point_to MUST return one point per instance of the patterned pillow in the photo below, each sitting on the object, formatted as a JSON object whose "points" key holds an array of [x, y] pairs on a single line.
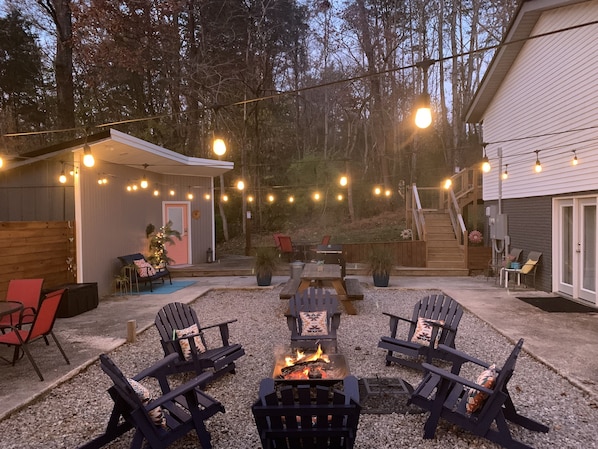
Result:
{"points": [[185, 345], [313, 323], [144, 268], [476, 398], [156, 414], [423, 332]]}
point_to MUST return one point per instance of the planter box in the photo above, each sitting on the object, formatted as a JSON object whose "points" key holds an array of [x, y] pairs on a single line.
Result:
{"points": [[77, 299]]}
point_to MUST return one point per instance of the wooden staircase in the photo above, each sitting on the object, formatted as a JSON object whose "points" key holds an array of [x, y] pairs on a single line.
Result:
{"points": [[443, 250]]}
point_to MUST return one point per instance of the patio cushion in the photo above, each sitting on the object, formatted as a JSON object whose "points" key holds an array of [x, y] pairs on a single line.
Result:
{"points": [[144, 268], [313, 323], [156, 414], [423, 332], [185, 345], [476, 398], [529, 266]]}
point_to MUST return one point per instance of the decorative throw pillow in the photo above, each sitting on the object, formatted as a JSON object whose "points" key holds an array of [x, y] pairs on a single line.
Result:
{"points": [[313, 323], [144, 268], [529, 265], [423, 332], [476, 398], [156, 414], [185, 345]]}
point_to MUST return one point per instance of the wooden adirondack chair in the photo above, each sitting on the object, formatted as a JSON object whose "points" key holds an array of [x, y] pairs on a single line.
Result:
{"points": [[307, 416], [311, 301], [446, 395], [440, 314], [185, 408], [194, 354], [41, 327]]}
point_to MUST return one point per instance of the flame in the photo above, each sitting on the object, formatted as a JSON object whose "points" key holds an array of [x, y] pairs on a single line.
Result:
{"points": [[301, 357]]}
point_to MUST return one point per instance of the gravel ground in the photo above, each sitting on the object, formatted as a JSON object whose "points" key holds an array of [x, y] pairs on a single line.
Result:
{"points": [[78, 410]]}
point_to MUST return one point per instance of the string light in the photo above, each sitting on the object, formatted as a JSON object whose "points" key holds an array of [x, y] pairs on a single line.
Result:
{"points": [[271, 198], [538, 166], [574, 161], [62, 177], [448, 183], [505, 174], [88, 159], [485, 161], [291, 199], [343, 181], [377, 191], [339, 197], [317, 196]]}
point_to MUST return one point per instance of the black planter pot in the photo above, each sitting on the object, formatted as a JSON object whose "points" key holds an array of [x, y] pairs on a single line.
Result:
{"points": [[381, 279], [264, 280]]}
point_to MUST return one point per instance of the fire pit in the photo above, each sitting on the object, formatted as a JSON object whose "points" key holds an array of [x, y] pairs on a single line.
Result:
{"points": [[311, 366]]}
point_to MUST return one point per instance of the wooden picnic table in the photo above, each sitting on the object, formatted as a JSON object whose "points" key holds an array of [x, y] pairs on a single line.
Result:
{"points": [[326, 274]]}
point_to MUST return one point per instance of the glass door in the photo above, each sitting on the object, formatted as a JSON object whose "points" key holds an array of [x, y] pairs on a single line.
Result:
{"points": [[565, 247], [587, 247]]}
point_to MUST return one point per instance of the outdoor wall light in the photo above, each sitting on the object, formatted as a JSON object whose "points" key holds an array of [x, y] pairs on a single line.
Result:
{"points": [[88, 159]]}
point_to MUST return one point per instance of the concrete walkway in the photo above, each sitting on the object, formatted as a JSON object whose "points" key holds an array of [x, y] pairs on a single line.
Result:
{"points": [[567, 342]]}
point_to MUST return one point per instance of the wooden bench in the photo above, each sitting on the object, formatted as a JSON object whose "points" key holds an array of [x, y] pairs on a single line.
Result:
{"points": [[353, 288], [290, 288]]}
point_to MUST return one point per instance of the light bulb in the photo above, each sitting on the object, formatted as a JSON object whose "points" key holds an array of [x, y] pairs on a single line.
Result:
{"points": [[219, 147], [144, 183], [88, 159], [423, 117]]}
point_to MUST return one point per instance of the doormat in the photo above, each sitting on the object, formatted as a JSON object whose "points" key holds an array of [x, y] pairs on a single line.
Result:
{"points": [[385, 395], [164, 289], [556, 304]]}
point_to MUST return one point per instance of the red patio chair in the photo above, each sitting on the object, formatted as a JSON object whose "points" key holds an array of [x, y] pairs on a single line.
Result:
{"points": [[287, 248], [42, 325], [28, 292]]}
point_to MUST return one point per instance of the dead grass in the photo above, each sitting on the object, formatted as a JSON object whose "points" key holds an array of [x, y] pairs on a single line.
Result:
{"points": [[384, 227]]}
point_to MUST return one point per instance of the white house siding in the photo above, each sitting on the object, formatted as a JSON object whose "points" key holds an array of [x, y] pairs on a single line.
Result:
{"points": [[548, 102]]}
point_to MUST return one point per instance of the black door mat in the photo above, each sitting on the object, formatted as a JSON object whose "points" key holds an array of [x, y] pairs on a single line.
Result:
{"points": [[556, 304], [385, 395]]}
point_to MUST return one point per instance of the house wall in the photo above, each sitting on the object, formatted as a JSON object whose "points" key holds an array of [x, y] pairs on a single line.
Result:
{"points": [[530, 228], [32, 193], [114, 220], [547, 102]]}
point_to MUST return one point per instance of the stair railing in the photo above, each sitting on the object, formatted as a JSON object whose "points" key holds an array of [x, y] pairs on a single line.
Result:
{"points": [[459, 228], [418, 214]]}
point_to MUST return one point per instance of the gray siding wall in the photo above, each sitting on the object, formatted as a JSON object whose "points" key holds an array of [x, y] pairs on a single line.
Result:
{"points": [[114, 220], [33, 193], [530, 228]]}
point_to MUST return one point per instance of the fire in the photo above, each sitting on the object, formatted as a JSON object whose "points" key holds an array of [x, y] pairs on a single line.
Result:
{"points": [[301, 357]]}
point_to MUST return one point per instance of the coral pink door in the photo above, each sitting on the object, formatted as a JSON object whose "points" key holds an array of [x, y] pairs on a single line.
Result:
{"points": [[178, 213]]}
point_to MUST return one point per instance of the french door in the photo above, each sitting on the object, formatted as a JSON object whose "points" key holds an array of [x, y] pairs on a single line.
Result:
{"points": [[576, 247]]}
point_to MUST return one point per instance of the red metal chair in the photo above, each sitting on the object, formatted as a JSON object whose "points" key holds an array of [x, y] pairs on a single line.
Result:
{"points": [[41, 326], [28, 292], [287, 248], [325, 240]]}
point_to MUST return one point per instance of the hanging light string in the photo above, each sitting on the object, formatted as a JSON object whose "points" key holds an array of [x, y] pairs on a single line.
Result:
{"points": [[322, 85]]}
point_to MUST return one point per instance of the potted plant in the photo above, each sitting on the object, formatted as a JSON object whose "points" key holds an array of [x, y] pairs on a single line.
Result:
{"points": [[380, 263], [266, 260]]}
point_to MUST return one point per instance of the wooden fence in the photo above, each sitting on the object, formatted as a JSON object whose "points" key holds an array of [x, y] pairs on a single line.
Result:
{"points": [[406, 253], [38, 249]]}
